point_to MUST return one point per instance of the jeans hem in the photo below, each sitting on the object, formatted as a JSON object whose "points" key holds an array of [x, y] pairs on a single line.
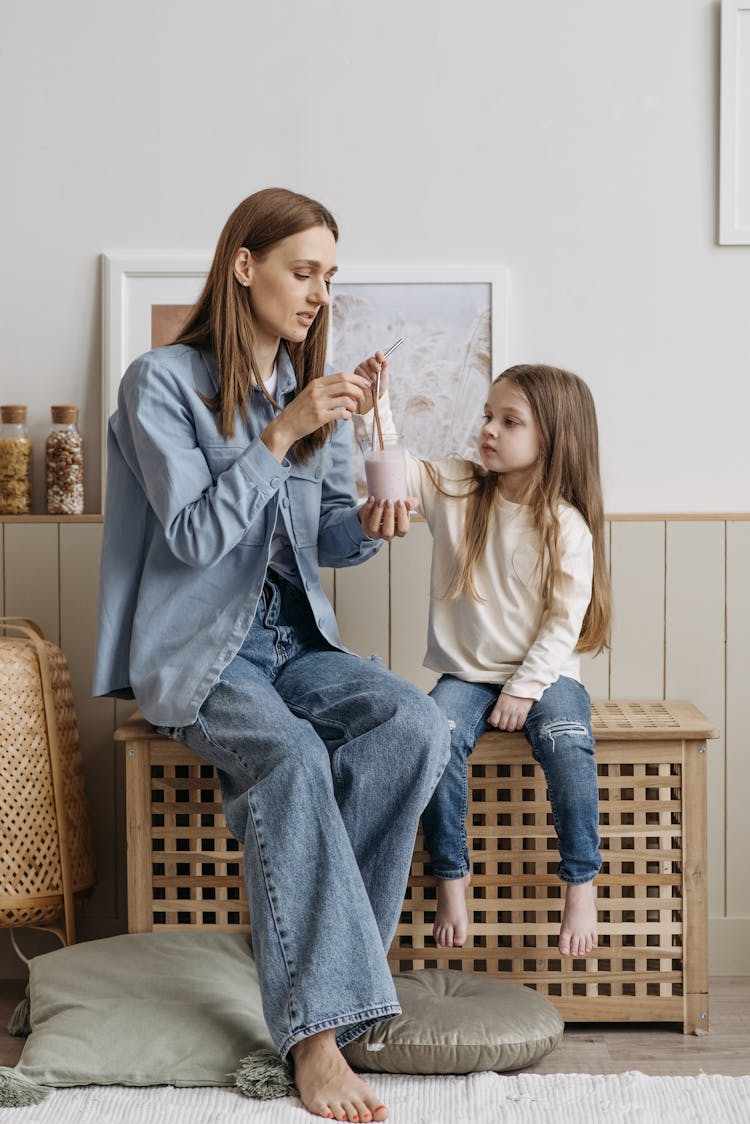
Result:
{"points": [[361, 1020], [451, 874], [581, 881]]}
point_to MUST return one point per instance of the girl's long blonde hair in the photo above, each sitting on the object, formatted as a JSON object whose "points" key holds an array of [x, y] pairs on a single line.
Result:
{"points": [[222, 317], [567, 472]]}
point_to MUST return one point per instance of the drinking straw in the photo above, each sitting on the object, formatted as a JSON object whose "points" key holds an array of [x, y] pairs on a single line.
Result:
{"points": [[376, 396]]}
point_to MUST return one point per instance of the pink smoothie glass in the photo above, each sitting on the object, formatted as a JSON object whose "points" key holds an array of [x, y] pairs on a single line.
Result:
{"points": [[385, 469]]}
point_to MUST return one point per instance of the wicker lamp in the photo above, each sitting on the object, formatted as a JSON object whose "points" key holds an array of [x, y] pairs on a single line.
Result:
{"points": [[46, 850]]}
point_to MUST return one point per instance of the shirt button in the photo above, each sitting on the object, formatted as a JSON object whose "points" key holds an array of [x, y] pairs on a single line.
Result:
{"points": [[274, 481], [307, 584], [317, 473], [285, 502], [320, 622]]}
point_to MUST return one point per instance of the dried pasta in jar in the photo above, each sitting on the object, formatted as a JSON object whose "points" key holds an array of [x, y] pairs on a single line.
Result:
{"points": [[15, 462]]}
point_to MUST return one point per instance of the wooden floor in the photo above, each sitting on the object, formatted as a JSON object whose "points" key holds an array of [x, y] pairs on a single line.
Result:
{"points": [[593, 1048]]}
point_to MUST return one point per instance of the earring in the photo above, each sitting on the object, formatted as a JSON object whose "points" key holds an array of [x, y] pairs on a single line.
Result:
{"points": [[246, 283]]}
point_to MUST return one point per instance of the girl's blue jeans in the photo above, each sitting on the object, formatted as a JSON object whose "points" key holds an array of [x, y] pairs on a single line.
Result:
{"points": [[558, 729], [325, 761]]}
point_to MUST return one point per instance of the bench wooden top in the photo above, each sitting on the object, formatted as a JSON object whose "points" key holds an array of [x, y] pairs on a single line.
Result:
{"points": [[612, 720]]}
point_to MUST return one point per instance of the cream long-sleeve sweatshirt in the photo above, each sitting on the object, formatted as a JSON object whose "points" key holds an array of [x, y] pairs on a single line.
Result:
{"points": [[504, 637]]}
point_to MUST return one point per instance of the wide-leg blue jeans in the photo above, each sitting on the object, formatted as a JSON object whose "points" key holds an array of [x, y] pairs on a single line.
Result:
{"points": [[558, 728], [325, 761]]}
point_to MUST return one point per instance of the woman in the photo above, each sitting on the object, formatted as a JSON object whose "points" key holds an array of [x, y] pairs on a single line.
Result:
{"points": [[229, 483]]}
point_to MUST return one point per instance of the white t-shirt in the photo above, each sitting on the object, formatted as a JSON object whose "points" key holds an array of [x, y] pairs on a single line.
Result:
{"points": [[272, 381]]}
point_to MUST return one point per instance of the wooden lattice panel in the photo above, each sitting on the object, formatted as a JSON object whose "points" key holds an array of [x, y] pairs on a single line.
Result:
{"points": [[516, 900], [651, 964], [196, 865]]}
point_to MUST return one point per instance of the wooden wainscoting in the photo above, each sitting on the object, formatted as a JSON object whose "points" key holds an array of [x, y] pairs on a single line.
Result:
{"points": [[682, 630]]}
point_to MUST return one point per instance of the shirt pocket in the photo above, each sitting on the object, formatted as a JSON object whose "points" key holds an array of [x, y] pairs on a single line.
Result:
{"points": [[304, 488], [525, 565], [221, 457]]}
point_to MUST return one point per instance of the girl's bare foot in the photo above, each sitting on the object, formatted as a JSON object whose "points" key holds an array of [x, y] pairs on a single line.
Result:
{"points": [[451, 917], [578, 933], [328, 1087]]}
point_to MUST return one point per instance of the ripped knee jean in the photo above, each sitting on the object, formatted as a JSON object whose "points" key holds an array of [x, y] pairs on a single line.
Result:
{"points": [[558, 729]]}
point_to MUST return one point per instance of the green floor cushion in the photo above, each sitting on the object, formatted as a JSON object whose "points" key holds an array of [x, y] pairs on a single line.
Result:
{"points": [[185, 1009], [459, 1022], [144, 1009]]}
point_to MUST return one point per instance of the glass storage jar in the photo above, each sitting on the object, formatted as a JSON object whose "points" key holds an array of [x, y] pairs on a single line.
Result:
{"points": [[64, 463], [15, 462]]}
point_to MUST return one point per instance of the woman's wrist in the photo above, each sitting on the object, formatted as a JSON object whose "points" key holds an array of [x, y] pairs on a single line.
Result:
{"points": [[278, 438]]}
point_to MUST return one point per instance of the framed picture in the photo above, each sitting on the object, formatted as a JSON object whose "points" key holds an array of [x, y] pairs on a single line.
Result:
{"points": [[453, 320], [734, 163], [145, 299], [454, 325]]}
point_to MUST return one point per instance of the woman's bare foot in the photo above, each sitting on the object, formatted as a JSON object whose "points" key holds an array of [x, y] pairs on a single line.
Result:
{"points": [[451, 917], [328, 1087], [578, 933]]}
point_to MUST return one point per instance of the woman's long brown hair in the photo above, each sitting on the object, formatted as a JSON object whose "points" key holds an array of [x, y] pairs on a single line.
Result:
{"points": [[567, 472], [222, 317]]}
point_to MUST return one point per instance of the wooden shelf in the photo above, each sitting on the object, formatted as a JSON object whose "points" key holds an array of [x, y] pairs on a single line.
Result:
{"points": [[51, 518]]}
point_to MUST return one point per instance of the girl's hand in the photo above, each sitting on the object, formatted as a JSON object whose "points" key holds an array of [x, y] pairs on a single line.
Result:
{"points": [[509, 712], [382, 519], [368, 369], [329, 398]]}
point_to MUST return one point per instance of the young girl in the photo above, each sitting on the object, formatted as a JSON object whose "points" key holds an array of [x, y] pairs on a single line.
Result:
{"points": [[519, 586]]}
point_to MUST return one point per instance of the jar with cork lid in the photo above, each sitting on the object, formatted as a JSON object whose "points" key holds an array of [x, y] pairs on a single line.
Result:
{"points": [[64, 463], [15, 462]]}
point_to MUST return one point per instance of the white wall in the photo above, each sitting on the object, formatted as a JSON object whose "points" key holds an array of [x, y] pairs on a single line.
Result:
{"points": [[574, 141]]}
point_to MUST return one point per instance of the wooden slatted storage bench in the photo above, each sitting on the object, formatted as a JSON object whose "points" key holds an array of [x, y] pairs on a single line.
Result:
{"points": [[184, 869]]}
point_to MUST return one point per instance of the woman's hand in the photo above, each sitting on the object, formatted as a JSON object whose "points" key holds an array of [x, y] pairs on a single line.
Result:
{"points": [[382, 519], [510, 712], [368, 369], [327, 399]]}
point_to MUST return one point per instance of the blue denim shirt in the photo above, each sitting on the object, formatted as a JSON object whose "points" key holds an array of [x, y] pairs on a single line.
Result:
{"points": [[188, 523]]}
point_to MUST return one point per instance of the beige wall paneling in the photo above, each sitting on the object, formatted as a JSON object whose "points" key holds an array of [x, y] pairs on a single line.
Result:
{"points": [[2, 569], [31, 575], [695, 605], [737, 728], [410, 601], [35, 572], [637, 667], [80, 548], [595, 670], [124, 708], [362, 594]]}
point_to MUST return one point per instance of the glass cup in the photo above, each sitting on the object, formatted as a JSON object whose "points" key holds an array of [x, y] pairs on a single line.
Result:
{"points": [[385, 469]]}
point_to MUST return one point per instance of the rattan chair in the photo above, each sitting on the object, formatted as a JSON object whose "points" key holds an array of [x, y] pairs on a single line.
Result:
{"points": [[47, 856]]}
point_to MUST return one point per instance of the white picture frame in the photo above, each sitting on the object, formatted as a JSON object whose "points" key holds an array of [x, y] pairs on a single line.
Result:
{"points": [[134, 284], [734, 143]]}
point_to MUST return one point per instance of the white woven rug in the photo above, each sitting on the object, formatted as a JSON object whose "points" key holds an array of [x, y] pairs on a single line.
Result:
{"points": [[485, 1098]]}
